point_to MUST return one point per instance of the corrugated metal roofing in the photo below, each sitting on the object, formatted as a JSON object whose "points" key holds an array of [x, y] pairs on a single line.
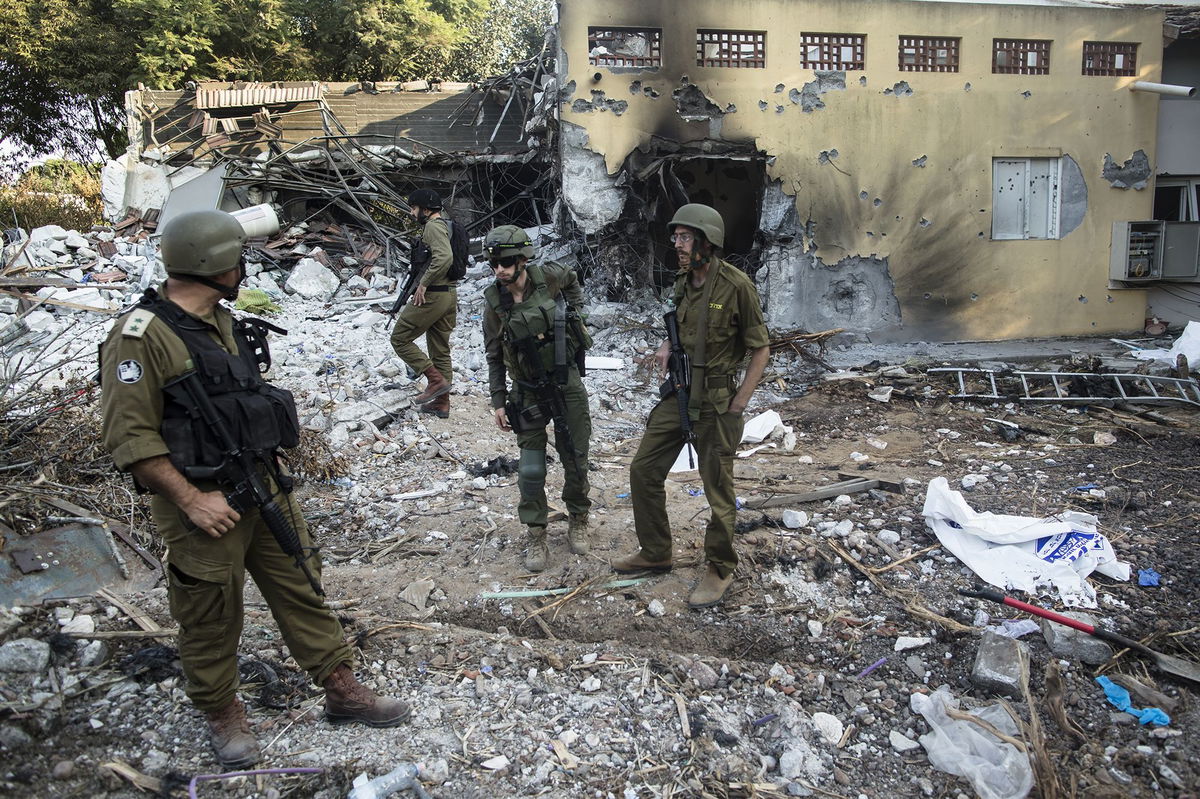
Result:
{"points": [[402, 117], [255, 94]]}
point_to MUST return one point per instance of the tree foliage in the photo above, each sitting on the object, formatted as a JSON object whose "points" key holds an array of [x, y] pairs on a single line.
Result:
{"points": [[65, 65]]}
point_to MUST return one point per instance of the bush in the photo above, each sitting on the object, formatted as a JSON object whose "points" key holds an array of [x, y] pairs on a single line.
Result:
{"points": [[59, 192]]}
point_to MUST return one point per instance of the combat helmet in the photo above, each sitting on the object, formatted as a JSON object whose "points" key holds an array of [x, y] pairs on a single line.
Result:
{"points": [[202, 243], [506, 241], [702, 218], [426, 198]]}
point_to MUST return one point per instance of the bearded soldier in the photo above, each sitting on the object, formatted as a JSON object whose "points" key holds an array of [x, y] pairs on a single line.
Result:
{"points": [[184, 403], [534, 334], [720, 322]]}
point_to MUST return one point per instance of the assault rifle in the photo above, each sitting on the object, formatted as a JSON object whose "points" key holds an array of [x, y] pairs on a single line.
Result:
{"points": [[240, 473], [419, 258], [548, 393], [679, 380]]}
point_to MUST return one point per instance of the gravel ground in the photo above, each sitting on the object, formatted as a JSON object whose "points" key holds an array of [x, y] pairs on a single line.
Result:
{"points": [[620, 690]]}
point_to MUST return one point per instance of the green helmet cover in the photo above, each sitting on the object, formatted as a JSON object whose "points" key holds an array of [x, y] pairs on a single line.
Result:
{"points": [[702, 218], [506, 241], [203, 243]]}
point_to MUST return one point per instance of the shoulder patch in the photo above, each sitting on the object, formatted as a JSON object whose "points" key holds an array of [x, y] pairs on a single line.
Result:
{"points": [[137, 322]]}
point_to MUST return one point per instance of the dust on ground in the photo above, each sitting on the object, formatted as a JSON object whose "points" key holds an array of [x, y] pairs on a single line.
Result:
{"points": [[624, 691]]}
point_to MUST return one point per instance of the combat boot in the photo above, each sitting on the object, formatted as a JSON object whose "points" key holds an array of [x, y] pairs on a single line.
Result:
{"points": [[347, 700], [577, 534], [436, 386], [538, 552], [638, 562], [438, 406], [711, 589], [229, 732]]}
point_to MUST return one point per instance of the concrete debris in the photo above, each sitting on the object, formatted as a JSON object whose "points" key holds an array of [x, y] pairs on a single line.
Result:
{"points": [[1076, 645], [312, 281], [999, 664], [24, 655]]}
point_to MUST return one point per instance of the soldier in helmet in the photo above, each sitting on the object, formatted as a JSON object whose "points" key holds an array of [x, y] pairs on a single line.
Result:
{"points": [[152, 430], [433, 309], [720, 322], [534, 334]]}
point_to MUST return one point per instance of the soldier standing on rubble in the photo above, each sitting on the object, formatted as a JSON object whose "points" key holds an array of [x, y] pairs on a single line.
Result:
{"points": [[433, 309], [172, 338], [720, 320], [532, 331]]}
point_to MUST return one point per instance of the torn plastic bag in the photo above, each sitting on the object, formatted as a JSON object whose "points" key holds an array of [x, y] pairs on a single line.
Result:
{"points": [[1187, 344], [1020, 552], [996, 769]]}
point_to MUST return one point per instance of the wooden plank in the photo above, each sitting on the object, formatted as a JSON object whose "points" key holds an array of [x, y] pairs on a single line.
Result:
{"points": [[139, 616], [828, 492]]}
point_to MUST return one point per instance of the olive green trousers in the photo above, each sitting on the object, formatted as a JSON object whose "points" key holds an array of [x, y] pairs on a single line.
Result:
{"points": [[205, 580], [435, 320], [531, 478], [717, 437]]}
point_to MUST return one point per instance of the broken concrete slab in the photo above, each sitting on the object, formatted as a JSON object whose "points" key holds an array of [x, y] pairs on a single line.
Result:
{"points": [[379, 411], [1075, 645], [999, 664], [312, 281], [591, 194]]}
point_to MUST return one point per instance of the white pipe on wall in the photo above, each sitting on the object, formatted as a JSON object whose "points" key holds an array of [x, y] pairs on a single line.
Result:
{"points": [[1162, 88]]}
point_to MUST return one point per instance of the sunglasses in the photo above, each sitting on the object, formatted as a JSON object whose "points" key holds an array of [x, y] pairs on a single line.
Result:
{"points": [[507, 261]]}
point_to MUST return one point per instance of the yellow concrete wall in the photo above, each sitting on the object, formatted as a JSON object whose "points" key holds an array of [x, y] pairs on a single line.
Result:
{"points": [[948, 275]]}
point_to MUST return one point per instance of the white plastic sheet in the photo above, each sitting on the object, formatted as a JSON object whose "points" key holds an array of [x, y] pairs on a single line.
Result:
{"points": [[1187, 344], [997, 770], [759, 428], [1020, 552]]}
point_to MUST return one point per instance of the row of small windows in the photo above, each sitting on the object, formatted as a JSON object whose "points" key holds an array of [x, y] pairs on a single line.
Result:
{"points": [[642, 47]]}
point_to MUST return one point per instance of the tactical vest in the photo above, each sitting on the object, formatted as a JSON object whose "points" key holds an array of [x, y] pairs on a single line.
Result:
{"points": [[259, 416], [542, 335]]}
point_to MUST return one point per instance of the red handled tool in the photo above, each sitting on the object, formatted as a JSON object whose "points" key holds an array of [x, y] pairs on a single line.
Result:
{"points": [[1172, 665]]}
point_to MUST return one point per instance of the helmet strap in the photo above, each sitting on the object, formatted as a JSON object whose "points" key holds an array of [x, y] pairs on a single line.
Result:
{"points": [[227, 292]]}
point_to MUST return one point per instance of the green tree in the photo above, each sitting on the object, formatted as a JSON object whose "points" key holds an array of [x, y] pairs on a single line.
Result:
{"points": [[65, 65], [384, 39], [511, 31]]}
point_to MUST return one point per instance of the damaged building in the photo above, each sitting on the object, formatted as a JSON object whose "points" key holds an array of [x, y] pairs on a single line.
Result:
{"points": [[338, 159], [925, 171], [911, 170]]}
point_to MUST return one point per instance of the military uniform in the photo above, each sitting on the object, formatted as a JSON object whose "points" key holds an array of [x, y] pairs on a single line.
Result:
{"points": [[504, 325], [734, 327], [437, 317], [206, 575]]}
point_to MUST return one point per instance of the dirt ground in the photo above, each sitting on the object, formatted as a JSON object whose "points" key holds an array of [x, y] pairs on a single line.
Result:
{"points": [[809, 612]]}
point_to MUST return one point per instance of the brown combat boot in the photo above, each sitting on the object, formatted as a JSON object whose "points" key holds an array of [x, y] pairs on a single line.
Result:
{"points": [[229, 732], [711, 589], [577, 534], [347, 700], [538, 551], [436, 387], [438, 406], [638, 562]]}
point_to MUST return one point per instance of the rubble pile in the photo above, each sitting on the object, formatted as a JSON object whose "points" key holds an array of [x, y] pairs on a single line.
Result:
{"points": [[844, 662]]}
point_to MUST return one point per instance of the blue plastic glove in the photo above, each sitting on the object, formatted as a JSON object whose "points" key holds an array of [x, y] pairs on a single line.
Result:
{"points": [[1118, 697]]}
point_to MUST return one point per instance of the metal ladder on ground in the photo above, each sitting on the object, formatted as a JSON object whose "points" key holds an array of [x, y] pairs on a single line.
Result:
{"points": [[1035, 386]]}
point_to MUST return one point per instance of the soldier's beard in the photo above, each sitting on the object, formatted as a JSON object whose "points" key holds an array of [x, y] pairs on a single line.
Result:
{"points": [[691, 260]]}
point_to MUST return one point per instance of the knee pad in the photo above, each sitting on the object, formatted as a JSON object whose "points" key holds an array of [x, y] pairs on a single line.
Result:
{"points": [[531, 471]]}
